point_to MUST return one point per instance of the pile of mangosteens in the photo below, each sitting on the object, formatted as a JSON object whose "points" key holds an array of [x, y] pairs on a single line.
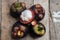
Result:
{"points": [[28, 20]]}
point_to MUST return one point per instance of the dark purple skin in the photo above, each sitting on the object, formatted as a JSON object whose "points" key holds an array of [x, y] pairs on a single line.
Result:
{"points": [[33, 34], [17, 24], [41, 11], [16, 13]]}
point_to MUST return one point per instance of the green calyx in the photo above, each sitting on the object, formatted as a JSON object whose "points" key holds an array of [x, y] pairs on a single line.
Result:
{"points": [[17, 4]]}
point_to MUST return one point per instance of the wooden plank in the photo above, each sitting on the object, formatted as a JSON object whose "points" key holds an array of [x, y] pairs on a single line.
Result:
{"points": [[28, 4], [7, 20], [45, 21], [55, 30], [0, 10], [0, 16]]}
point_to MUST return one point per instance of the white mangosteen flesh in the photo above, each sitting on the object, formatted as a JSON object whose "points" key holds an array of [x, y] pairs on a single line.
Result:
{"points": [[26, 15]]}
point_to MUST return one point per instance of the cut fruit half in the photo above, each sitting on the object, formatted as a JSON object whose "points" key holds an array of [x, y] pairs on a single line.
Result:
{"points": [[26, 16]]}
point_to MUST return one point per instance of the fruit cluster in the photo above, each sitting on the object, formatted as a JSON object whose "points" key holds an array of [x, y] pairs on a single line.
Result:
{"points": [[28, 20]]}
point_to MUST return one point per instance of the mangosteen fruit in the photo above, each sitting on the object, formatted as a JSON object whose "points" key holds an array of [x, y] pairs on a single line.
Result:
{"points": [[19, 30], [39, 11], [16, 9], [26, 16], [37, 30]]}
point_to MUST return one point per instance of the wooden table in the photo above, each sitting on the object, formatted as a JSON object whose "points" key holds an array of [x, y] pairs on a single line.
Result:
{"points": [[8, 21]]}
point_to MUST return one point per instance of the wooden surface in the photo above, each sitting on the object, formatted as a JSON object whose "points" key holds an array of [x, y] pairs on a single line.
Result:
{"points": [[8, 21], [0, 18], [55, 28], [0, 10]]}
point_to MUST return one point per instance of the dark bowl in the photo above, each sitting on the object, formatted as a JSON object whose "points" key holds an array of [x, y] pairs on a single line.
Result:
{"points": [[18, 25], [39, 12], [16, 9], [33, 34]]}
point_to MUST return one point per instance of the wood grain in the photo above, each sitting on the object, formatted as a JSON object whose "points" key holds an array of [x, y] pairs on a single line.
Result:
{"points": [[55, 28]]}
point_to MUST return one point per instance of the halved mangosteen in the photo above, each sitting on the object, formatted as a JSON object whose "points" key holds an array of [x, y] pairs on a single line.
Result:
{"points": [[16, 9], [39, 11], [26, 16], [37, 30], [19, 30]]}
